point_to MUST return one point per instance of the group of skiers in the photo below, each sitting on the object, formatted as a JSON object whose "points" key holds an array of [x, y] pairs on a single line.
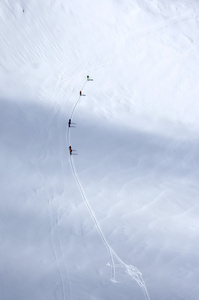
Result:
{"points": [[69, 121], [70, 148]]}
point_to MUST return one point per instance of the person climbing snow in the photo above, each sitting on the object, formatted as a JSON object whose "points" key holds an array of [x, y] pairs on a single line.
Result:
{"points": [[80, 93], [69, 122], [70, 150]]}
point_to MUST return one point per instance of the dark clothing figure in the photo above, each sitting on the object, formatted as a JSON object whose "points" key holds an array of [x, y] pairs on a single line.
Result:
{"points": [[87, 78], [69, 122], [80, 93], [70, 150]]}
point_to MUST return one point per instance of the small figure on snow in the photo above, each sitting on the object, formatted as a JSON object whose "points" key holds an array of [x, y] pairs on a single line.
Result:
{"points": [[70, 150], [69, 122], [87, 78], [80, 93]]}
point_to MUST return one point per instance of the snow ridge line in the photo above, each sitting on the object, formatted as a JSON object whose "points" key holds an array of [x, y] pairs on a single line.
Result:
{"points": [[130, 270]]}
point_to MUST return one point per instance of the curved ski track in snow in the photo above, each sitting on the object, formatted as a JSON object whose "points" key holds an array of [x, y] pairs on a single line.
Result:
{"points": [[130, 270]]}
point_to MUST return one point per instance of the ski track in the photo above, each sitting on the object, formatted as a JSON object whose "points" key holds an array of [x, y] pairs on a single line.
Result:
{"points": [[160, 27], [132, 271], [57, 91], [57, 250]]}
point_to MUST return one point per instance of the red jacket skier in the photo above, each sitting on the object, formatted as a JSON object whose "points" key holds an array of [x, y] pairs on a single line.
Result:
{"points": [[70, 150]]}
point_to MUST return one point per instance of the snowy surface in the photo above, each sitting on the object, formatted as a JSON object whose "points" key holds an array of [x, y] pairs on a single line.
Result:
{"points": [[126, 202]]}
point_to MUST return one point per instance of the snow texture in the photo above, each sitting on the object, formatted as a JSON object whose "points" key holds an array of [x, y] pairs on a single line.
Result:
{"points": [[117, 219]]}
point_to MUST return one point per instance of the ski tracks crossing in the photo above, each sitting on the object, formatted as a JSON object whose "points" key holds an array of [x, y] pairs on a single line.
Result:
{"points": [[132, 271]]}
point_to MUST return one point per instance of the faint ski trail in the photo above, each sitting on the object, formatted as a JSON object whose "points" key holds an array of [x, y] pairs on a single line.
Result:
{"points": [[54, 242], [64, 288], [132, 271]]}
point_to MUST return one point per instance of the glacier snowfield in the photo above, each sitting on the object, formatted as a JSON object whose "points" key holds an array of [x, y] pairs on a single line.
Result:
{"points": [[117, 219]]}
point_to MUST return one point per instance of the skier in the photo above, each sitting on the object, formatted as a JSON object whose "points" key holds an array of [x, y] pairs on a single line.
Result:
{"points": [[87, 78], [69, 122], [80, 93], [70, 150]]}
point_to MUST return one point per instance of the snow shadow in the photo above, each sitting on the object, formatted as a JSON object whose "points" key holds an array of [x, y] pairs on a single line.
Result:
{"points": [[35, 178], [34, 154], [123, 149]]}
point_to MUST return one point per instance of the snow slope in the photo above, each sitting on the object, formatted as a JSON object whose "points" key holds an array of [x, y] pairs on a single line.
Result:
{"points": [[126, 202]]}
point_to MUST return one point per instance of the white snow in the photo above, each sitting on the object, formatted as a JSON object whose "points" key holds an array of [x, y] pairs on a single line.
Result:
{"points": [[119, 218]]}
